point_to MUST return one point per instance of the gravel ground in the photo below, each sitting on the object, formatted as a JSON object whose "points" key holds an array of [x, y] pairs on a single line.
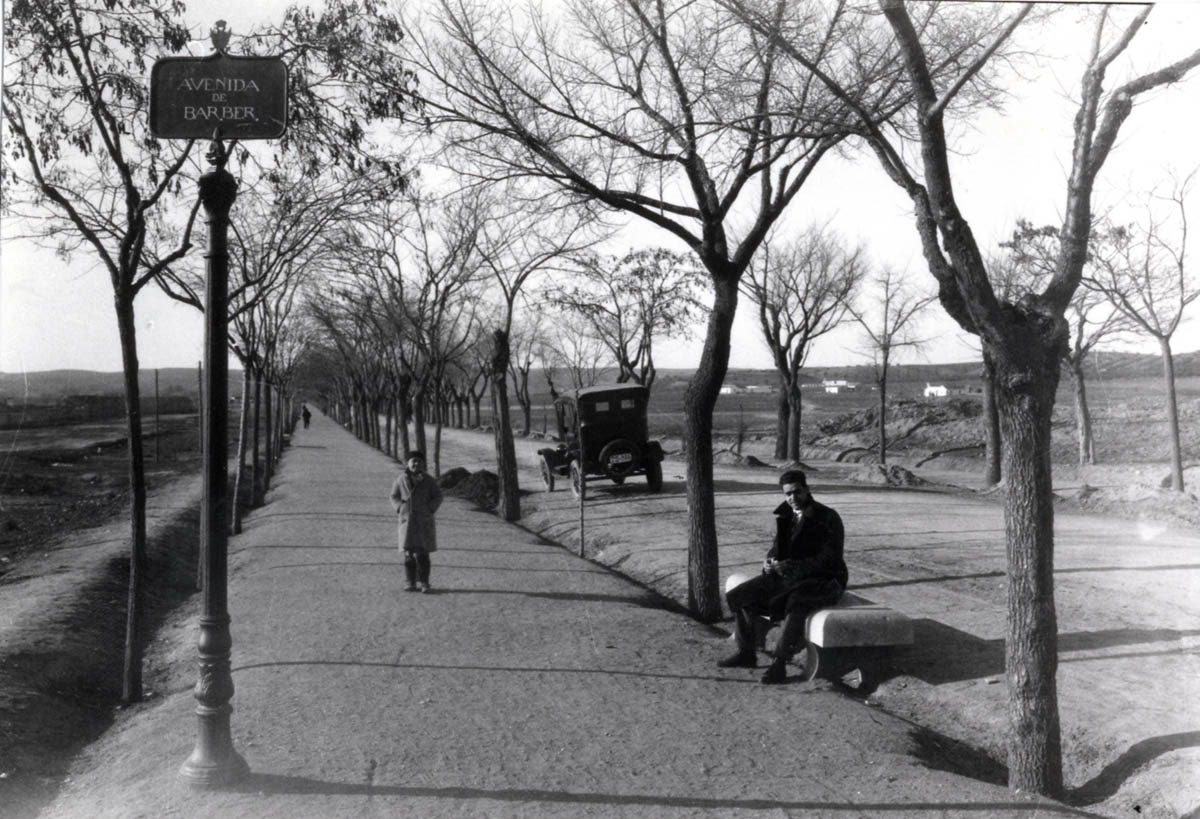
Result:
{"points": [[1128, 596]]}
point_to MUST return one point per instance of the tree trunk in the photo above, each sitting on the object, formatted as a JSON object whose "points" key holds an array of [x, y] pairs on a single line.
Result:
{"points": [[704, 598], [131, 685], [281, 415], [1172, 414], [388, 430], [882, 383], [509, 505], [991, 428], [239, 484], [437, 450], [1026, 384], [783, 413], [794, 412], [269, 453], [402, 412], [1083, 415], [258, 481], [419, 410]]}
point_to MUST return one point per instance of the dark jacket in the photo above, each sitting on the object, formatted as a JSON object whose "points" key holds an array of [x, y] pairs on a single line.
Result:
{"points": [[812, 551]]}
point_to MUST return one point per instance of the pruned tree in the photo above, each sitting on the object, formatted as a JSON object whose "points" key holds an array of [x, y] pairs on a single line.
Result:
{"points": [[82, 161], [1142, 271], [81, 165], [674, 113], [803, 288], [888, 322], [1022, 340], [1031, 257], [525, 341], [626, 303], [580, 355], [417, 264], [523, 235]]}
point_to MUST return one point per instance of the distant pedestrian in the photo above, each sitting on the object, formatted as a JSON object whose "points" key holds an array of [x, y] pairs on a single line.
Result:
{"points": [[305, 414], [416, 498], [805, 570]]}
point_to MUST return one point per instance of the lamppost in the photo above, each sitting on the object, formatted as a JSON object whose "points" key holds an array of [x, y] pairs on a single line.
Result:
{"points": [[214, 761], [193, 98]]}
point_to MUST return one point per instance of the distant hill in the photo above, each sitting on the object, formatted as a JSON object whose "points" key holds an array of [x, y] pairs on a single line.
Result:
{"points": [[55, 385], [1106, 365]]}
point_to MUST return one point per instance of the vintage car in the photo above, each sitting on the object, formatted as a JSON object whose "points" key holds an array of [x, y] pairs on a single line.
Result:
{"points": [[602, 432]]}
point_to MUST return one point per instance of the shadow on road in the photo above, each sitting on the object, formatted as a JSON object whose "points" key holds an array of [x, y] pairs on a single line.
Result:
{"points": [[1108, 782], [276, 784], [941, 654]]}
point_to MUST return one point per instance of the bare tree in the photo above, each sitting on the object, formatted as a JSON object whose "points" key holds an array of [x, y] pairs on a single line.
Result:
{"points": [[803, 288], [416, 263], [523, 235], [525, 341], [579, 354], [673, 112], [1032, 254], [76, 109], [80, 157], [1022, 340], [1143, 273], [630, 301], [888, 324], [282, 224]]}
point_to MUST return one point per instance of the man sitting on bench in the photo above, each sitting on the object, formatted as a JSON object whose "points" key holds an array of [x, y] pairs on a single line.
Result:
{"points": [[804, 571]]}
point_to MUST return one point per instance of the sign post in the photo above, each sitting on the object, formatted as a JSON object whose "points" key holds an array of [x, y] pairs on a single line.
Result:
{"points": [[196, 98]]}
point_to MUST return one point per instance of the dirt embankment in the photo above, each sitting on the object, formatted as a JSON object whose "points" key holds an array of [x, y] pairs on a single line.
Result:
{"points": [[62, 611]]}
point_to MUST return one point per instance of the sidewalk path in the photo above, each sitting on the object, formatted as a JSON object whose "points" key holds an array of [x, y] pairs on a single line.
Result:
{"points": [[531, 683]]}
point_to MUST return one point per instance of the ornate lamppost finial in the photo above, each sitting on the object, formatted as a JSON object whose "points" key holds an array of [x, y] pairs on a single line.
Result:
{"points": [[220, 34]]}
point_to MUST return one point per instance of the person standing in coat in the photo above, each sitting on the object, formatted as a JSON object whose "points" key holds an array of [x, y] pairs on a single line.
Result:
{"points": [[416, 498], [805, 570]]}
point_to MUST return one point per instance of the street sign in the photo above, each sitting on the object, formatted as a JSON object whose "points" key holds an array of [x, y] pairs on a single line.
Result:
{"points": [[242, 97]]}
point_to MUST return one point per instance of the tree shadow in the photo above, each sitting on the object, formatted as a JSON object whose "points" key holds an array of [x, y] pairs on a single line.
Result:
{"points": [[278, 785], [939, 752], [499, 669], [644, 601], [942, 654], [1108, 782], [731, 487]]}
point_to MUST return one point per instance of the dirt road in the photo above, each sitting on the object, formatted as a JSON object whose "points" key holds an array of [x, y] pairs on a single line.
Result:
{"points": [[1128, 599], [529, 683], [1127, 594]]}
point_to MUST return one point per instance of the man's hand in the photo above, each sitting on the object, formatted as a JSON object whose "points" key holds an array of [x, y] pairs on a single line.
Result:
{"points": [[770, 565]]}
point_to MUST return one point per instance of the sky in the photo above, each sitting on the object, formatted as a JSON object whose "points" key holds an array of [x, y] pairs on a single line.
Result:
{"points": [[57, 314]]}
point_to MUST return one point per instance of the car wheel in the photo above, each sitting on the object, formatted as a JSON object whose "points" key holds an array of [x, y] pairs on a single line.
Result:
{"points": [[547, 474], [654, 476], [578, 482]]}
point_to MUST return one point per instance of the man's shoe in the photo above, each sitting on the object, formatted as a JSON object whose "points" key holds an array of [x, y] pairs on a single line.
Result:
{"points": [[776, 673], [743, 659], [424, 588], [411, 587]]}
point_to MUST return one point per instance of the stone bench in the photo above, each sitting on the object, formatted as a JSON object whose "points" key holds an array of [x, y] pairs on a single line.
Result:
{"points": [[854, 635]]}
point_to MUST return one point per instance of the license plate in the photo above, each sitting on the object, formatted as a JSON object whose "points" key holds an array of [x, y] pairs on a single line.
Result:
{"points": [[621, 458]]}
